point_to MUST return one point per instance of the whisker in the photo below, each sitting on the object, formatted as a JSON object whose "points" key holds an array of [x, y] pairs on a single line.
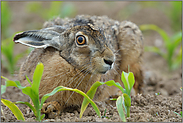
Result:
{"points": [[108, 86], [83, 75], [117, 51], [59, 74], [81, 80], [116, 71], [87, 72], [89, 81], [79, 73]]}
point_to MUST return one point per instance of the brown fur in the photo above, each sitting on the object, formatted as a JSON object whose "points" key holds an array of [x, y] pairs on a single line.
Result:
{"points": [[124, 40]]}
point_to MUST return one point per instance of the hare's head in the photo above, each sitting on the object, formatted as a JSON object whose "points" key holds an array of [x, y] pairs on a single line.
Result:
{"points": [[82, 46]]}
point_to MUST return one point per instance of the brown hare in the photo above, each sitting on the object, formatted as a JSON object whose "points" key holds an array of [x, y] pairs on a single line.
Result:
{"points": [[78, 52]]}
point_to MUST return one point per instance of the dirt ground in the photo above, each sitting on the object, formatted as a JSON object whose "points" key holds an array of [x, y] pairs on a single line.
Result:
{"points": [[146, 107]]}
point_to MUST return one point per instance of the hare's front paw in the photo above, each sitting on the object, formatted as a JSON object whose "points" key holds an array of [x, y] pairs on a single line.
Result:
{"points": [[51, 109]]}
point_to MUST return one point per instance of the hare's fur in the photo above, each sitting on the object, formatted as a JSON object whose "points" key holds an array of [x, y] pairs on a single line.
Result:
{"points": [[124, 43]]}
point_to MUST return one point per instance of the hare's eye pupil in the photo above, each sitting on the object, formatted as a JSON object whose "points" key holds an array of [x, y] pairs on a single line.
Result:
{"points": [[81, 40]]}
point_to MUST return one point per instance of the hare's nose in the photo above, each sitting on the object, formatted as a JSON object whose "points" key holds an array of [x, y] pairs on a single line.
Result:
{"points": [[109, 62]]}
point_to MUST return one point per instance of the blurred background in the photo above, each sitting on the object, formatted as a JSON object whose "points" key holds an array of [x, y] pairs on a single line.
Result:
{"points": [[160, 22]]}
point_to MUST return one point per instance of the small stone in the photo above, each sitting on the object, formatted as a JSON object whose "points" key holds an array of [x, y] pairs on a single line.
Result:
{"points": [[52, 120]]}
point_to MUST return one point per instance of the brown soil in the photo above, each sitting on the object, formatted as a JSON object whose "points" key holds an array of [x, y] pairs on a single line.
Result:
{"points": [[147, 107]]}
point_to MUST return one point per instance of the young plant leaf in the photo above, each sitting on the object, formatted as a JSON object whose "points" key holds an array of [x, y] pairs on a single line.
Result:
{"points": [[42, 116], [12, 83], [15, 110], [131, 80], [33, 95], [124, 78], [155, 50], [178, 114], [33, 91], [28, 80], [9, 82], [29, 105], [127, 100], [127, 104], [119, 106], [113, 83], [61, 88], [91, 94], [113, 99], [3, 89], [163, 34], [37, 77]]}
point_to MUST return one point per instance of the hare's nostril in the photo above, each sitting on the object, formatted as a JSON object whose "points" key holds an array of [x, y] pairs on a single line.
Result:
{"points": [[109, 62]]}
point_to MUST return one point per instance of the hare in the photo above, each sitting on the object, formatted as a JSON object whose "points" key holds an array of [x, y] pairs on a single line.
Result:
{"points": [[78, 52]]}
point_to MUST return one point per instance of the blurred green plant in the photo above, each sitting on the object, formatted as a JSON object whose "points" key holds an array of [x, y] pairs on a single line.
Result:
{"points": [[56, 8], [123, 102], [175, 14], [5, 19], [171, 44], [104, 116], [7, 50], [7, 45], [33, 92]]}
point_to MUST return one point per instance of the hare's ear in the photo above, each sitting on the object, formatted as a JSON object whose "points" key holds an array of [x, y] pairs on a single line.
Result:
{"points": [[39, 38]]}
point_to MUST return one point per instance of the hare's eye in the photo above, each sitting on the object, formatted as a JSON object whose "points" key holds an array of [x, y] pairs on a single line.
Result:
{"points": [[80, 40]]}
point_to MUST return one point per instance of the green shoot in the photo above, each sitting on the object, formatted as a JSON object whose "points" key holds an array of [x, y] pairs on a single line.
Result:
{"points": [[56, 8], [10, 60], [123, 102], [33, 92], [120, 108], [104, 116], [171, 44], [178, 113], [157, 93], [5, 19], [174, 13], [61, 88], [15, 110]]}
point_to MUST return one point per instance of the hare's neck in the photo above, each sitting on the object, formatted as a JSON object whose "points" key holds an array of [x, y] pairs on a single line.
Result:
{"points": [[83, 80]]}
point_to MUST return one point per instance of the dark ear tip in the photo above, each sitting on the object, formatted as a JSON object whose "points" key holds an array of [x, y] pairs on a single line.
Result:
{"points": [[17, 36]]}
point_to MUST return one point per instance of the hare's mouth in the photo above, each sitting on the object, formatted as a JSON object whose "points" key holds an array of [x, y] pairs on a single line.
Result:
{"points": [[108, 64], [104, 69], [103, 65]]}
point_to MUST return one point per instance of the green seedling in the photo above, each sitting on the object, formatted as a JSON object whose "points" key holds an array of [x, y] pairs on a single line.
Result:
{"points": [[123, 102], [15, 110], [33, 92], [5, 19], [104, 116], [170, 43], [7, 50], [178, 113], [56, 8], [175, 14], [157, 93]]}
